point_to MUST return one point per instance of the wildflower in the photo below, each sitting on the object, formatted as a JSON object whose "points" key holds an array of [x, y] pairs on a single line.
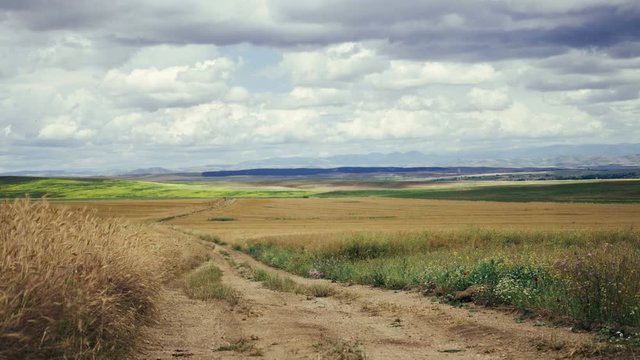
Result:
{"points": [[589, 254], [315, 274]]}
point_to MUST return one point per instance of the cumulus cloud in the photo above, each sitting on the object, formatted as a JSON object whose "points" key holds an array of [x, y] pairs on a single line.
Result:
{"points": [[117, 78], [488, 99], [410, 74], [185, 85], [63, 128], [338, 63]]}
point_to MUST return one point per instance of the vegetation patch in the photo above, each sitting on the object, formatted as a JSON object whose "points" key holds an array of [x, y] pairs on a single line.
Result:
{"points": [[205, 283], [276, 282], [342, 349], [87, 188], [242, 346], [624, 191], [586, 278]]}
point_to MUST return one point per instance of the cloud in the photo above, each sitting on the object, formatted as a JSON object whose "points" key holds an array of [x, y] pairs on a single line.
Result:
{"points": [[487, 29], [264, 77], [484, 99], [338, 63], [410, 74], [63, 128], [176, 86]]}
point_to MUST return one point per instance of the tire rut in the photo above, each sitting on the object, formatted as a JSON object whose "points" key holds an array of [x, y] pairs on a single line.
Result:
{"points": [[357, 322]]}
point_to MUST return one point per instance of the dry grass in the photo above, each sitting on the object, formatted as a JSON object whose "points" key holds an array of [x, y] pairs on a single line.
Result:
{"points": [[265, 217], [73, 285], [276, 282], [205, 283]]}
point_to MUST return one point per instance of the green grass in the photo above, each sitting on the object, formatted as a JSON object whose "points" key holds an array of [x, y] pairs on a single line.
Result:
{"points": [[57, 188], [587, 278], [627, 191], [205, 283]]}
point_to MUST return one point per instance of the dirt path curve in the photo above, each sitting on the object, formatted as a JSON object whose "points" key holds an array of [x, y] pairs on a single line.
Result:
{"points": [[358, 322], [211, 206]]}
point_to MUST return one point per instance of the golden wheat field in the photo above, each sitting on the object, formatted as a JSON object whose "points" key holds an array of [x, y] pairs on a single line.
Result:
{"points": [[73, 285], [249, 218]]}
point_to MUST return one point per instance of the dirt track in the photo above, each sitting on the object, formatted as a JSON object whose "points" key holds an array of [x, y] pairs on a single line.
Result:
{"points": [[358, 322]]}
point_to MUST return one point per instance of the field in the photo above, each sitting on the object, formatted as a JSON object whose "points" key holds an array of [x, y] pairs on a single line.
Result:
{"points": [[262, 217], [280, 262], [617, 191], [588, 191], [54, 188]]}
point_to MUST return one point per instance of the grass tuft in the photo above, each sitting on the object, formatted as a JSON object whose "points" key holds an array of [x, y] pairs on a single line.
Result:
{"points": [[276, 282], [205, 283]]}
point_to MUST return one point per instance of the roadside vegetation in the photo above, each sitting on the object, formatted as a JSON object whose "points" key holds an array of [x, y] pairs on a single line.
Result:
{"points": [[277, 282], [589, 279], [76, 286], [205, 283]]}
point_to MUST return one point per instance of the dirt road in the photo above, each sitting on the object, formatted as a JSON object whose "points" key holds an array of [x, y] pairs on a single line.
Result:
{"points": [[358, 322]]}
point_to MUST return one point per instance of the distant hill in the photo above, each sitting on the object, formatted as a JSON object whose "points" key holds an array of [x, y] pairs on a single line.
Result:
{"points": [[577, 156], [148, 171], [442, 171], [550, 156]]}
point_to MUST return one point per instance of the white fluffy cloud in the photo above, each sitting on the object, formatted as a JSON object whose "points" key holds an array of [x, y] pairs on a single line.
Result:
{"points": [[403, 74], [339, 63], [184, 85], [63, 128], [496, 99], [264, 77]]}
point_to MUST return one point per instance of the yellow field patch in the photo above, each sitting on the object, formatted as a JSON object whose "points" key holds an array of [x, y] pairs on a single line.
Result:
{"points": [[249, 218]]}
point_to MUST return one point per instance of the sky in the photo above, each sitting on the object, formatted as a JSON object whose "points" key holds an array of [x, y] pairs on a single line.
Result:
{"points": [[177, 83]]}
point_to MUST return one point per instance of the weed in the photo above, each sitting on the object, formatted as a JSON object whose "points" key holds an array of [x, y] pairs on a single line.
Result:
{"points": [[589, 278], [276, 282], [206, 283], [241, 346], [343, 350]]}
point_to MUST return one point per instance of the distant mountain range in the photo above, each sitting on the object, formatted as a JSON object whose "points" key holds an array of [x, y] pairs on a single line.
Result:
{"points": [[561, 156], [565, 156], [355, 170]]}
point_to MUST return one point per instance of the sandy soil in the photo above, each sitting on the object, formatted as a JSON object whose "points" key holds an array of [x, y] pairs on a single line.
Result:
{"points": [[357, 322]]}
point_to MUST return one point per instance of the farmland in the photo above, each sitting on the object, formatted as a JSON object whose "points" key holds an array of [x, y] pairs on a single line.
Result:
{"points": [[55, 188], [589, 192], [611, 191], [266, 267]]}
